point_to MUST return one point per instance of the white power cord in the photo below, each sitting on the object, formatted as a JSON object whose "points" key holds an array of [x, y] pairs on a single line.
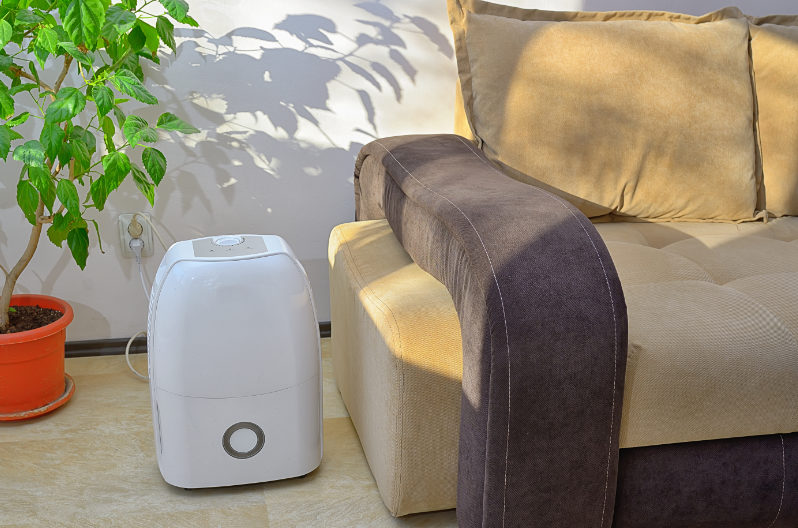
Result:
{"points": [[154, 229], [127, 356], [137, 245]]}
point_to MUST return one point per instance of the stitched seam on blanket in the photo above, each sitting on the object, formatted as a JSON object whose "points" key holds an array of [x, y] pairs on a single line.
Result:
{"points": [[495, 280], [615, 346], [509, 393], [783, 482]]}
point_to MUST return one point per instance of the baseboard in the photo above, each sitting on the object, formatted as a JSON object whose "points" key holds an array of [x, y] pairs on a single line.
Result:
{"points": [[325, 329], [115, 347]]}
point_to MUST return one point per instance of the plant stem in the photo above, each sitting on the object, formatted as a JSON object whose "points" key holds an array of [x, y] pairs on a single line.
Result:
{"points": [[16, 271], [67, 62], [22, 73]]}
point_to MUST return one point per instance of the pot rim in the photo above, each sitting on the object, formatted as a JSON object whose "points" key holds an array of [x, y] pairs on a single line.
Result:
{"points": [[28, 299]]}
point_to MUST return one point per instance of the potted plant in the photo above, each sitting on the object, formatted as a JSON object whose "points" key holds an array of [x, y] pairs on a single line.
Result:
{"points": [[68, 68]]}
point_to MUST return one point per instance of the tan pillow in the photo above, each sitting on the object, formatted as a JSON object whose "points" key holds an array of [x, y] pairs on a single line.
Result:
{"points": [[642, 114], [774, 52]]}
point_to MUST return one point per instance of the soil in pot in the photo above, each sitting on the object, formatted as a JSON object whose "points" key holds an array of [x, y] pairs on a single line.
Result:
{"points": [[24, 318]]}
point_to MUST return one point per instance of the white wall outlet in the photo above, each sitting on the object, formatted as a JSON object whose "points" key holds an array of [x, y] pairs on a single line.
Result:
{"points": [[125, 237]]}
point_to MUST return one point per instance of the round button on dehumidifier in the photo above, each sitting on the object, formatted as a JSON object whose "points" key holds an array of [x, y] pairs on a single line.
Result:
{"points": [[228, 240], [243, 440]]}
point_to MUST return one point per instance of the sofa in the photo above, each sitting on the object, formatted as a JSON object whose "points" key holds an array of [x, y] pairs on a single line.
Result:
{"points": [[580, 310]]}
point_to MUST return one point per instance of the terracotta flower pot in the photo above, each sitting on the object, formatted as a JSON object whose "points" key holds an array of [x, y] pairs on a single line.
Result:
{"points": [[32, 378]]}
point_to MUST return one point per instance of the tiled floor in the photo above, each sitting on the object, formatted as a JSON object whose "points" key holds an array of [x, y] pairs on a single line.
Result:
{"points": [[92, 463]]}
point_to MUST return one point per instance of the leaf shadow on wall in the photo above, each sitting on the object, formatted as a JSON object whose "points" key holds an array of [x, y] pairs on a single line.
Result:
{"points": [[266, 98]]}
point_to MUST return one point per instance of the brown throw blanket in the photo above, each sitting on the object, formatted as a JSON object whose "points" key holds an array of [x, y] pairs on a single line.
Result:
{"points": [[543, 324]]}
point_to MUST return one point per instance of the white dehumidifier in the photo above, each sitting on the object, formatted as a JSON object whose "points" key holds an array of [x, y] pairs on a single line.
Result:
{"points": [[234, 363]]}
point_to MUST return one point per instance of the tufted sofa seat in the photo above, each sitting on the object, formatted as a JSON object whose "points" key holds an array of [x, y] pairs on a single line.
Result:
{"points": [[713, 348]]}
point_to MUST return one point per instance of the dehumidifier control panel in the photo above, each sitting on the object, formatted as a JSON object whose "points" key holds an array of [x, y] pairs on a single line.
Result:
{"points": [[229, 246]]}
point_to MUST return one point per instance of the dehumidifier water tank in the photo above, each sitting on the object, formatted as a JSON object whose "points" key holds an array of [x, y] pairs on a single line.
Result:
{"points": [[234, 363]]}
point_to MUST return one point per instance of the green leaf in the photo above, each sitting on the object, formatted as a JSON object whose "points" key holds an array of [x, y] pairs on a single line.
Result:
{"points": [[131, 63], [166, 30], [68, 103], [68, 195], [30, 153], [155, 163], [22, 88], [41, 179], [143, 184], [28, 200], [48, 20], [169, 121], [190, 21], [6, 102], [82, 145], [27, 17], [127, 83], [120, 115], [78, 242], [107, 183], [59, 229], [151, 39], [62, 225], [136, 131], [149, 55], [78, 55], [79, 133], [80, 153], [52, 137], [41, 55], [97, 231], [5, 141], [116, 165], [177, 9], [5, 63], [34, 71], [108, 133], [99, 191], [5, 33], [18, 120], [117, 21], [103, 98], [136, 39], [47, 39], [83, 21], [64, 154], [62, 35]]}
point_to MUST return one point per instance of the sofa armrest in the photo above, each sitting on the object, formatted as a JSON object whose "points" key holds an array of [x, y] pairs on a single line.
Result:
{"points": [[543, 323]]}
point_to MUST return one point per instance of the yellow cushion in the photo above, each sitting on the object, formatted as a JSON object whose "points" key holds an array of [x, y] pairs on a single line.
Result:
{"points": [[398, 364], [642, 114], [774, 51]]}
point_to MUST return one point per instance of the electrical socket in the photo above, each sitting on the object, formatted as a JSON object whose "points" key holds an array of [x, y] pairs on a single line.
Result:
{"points": [[125, 237]]}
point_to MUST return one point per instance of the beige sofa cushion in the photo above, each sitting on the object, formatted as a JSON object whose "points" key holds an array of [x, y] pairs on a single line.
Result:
{"points": [[712, 345], [398, 364], [774, 52], [643, 114]]}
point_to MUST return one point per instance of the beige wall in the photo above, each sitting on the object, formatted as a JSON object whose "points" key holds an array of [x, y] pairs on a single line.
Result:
{"points": [[285, 94]]}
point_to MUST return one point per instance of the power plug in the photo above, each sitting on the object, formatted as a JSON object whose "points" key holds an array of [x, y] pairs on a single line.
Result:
{"points": [[131, 227], [134, 228]]}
